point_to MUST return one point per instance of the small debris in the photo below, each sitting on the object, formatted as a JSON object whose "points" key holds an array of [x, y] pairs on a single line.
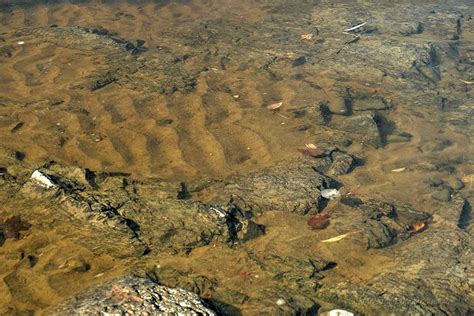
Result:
{"points": [[12, 226], [306, 37], [399, 170], [42, 179], [280, 302], [318, 221], [351, 29], [21, 43], [337, 312], [218, 211], [299, 61], [337, 238], [275, 106], [330, 194], [311, 150], [340, 237], [417, 228], [467, 82]]}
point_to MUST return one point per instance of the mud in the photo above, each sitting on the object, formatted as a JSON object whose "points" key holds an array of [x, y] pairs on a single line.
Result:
{"points": [[151, 120]]}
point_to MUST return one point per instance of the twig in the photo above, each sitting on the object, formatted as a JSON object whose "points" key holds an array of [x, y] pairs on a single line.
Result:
{"points": [[355, 27]]}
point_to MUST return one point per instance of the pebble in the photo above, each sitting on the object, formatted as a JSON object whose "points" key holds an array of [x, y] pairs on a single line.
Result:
{"points": [[443, 195], [456, 183], [280, 302], [330, 194]]}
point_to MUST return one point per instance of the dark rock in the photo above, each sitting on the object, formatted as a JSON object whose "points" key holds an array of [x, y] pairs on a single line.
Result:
{"points": [[12, 227], [102, 81], [336, 163], [383, 224], [342, 163], [455, 183], [299, 61], [443, 195], [436, 182], [362, 127], [351, 202], [183, 193], [288, 186], [55, 102]]}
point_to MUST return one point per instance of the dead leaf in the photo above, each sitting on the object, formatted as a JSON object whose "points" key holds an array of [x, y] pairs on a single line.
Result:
{"points": [[467, 82], [12, 227], [418, 227], [318, 221], [399, 170], [337, 238], [275, 106], [311, 150]]}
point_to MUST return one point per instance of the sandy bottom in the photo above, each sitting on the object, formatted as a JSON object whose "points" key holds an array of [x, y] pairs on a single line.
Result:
{"points": [[220, 128]]}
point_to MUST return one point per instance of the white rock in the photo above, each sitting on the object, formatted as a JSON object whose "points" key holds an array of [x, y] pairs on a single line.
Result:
{"points": [[330, 194], [338, 312], [42, 179], [280, 302]]}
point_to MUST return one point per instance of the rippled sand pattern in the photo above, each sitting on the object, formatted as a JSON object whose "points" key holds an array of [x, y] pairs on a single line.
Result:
{"points": [[220, 127]]}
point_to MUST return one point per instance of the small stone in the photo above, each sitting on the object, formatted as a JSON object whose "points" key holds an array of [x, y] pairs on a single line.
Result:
{"points": [[436, 182], [456, 183], [280, 302], [299, 61], [443, 195]]}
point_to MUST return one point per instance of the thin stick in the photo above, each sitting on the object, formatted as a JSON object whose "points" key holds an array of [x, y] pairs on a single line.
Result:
{"points": [[355, 27]]}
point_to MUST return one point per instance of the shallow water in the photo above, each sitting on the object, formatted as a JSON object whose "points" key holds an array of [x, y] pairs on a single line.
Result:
{"points": [[190, 103]]}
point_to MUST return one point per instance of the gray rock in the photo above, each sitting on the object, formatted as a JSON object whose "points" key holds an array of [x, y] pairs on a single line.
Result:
{"points": [[443, 195], [289, 186], [370, 104], [132, 295], [383, 224], [336, 163], [410, 28], [342, 163], [455, 183], [362, 127]]}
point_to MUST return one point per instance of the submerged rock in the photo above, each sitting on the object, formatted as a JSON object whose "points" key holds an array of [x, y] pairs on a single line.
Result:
{"points": [[132, 295], [362, 128], [443, 195], [336, 163], [290, 186]]}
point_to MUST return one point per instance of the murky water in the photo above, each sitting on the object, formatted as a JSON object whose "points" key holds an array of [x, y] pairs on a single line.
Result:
{"points": [[183, 91]]}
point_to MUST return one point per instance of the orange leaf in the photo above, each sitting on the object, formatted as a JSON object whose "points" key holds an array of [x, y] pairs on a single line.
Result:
{"points": [[311, 150], [274, 106], [418, 227]]}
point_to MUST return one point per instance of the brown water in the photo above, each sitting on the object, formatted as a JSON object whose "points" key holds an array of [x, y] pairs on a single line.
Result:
{"points": [[193, 106]]}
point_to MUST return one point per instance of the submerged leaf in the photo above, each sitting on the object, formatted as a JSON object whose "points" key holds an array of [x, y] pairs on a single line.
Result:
{"points": [[418, 227], [274, 106], [318, 221], [337, 238], [311, 150]]}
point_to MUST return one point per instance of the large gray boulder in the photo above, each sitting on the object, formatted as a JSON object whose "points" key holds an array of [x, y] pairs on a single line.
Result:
{"points": [[133, 296]]}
